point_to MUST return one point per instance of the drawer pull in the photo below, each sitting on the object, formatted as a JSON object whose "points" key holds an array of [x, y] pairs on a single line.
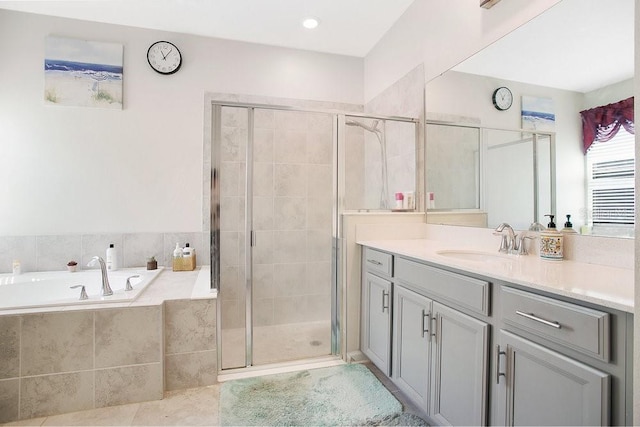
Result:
{"points": [[374, 262], [531, 316]]}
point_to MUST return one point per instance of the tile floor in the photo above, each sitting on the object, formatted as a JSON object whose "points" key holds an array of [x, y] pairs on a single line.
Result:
{"points": [[192, 407]]}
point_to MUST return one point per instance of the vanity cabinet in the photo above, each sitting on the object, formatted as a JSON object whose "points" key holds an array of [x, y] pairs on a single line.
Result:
{"points": [[470, 351], [459, 368], [376, 310], [440, 354], [412, 343], [440, 358], [538, 386]]}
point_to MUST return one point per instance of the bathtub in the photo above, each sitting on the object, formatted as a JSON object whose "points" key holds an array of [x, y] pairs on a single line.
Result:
{"points": [[52, 288]]}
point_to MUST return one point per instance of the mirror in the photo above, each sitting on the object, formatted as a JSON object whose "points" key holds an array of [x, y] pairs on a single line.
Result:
{"points": [[466, 166], [549, 58]]}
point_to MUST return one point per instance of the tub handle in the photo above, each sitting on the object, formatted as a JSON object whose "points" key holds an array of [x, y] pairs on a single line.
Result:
{"points": [[128, 286], [83, 292]]}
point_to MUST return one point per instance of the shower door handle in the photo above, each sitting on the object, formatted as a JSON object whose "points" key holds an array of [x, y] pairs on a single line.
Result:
{"points": [[253, 238]]}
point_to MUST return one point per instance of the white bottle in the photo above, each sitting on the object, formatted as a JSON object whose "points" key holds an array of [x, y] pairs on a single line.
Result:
{"points": [[17, 268], [112, 258], [177, 252], [187, 251]]}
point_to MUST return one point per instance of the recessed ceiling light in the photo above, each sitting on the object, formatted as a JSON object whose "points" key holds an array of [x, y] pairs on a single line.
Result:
{"points": [[310, 23]]}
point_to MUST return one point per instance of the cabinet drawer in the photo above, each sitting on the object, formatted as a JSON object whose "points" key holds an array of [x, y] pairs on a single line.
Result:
{"points": [[455, 288], [580, 328], [379, 262]]}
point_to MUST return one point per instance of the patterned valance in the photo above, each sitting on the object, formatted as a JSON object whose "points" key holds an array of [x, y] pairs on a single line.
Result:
{"points": [[603, 123]]}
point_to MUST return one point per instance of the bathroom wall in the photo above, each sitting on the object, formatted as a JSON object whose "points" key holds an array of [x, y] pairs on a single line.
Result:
{"points": [[636, 322], [440, 35], [83, 170], [52, 252]]}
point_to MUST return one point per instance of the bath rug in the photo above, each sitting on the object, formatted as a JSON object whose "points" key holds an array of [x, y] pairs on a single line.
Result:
{"points": [[336, 396]]}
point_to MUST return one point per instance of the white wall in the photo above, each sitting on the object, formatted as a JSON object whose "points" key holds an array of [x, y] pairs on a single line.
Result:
{"points": [[69, 169], [636, 317], [441, 34], [608, 94]]}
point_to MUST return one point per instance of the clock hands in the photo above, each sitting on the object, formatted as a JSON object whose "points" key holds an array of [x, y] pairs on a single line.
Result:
{"points": [[164, 56]]}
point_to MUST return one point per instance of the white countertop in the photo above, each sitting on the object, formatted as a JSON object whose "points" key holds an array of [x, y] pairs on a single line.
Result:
{"points": [[602, 285]]}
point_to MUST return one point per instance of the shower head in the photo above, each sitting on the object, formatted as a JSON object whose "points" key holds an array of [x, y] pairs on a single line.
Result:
{"points": [[372, 128]]}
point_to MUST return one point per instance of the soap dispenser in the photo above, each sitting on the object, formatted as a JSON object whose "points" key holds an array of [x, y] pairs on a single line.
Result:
{"points": [[551, 242], [568, 227]]}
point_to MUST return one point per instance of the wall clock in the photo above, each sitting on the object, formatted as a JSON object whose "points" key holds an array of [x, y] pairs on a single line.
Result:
{"points": [[502, 98], [164, 57]]}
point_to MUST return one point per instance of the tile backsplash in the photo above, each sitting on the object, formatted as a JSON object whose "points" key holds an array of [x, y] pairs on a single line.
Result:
{"points": [[52, 252]]}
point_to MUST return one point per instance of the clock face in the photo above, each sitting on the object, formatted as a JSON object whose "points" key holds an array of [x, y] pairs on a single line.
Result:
{"points": [[164, 57], [502, 98]]}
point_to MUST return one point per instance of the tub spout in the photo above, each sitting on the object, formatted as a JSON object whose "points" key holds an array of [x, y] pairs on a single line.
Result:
{"points": [[106, 289]]}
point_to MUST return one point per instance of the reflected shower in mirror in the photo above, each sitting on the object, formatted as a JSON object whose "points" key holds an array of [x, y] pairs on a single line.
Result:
{"points": [[483, 177], [550, 57]]}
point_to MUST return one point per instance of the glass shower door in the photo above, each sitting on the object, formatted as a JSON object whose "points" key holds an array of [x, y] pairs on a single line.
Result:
{"points": [[276, 289], [293, 203], [231, 149]]}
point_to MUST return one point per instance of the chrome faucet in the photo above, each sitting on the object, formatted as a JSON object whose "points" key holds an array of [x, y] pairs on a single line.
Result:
{"points": [[508, 241], [106, 289]]}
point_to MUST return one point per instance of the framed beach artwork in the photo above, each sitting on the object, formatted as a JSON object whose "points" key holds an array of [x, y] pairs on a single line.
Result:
{"points": [[538, 114], [82, 73]]}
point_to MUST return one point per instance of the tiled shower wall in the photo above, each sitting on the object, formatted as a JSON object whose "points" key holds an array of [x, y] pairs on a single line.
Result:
{"points": [[292, 203], [52, 252]]}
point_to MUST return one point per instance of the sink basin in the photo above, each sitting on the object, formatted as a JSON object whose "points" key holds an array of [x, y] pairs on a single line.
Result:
{"points": [[475, 256]]}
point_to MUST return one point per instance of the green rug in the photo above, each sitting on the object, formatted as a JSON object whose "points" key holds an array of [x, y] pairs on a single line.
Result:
{"points": [[337, 396]]}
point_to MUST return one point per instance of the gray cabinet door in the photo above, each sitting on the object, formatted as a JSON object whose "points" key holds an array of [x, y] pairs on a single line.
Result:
{"points": [[542, 387], [377, 321], [411, 339], [459, 368]]}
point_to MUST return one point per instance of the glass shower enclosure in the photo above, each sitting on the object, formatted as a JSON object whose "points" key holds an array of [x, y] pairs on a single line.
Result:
{"points": [[275, 204]]}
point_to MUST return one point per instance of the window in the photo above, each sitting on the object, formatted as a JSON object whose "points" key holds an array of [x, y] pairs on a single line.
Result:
{"points": [[611, 184]]}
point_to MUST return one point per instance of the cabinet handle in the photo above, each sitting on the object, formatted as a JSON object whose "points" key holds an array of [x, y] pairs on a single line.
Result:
{"points": [[374, 262], [531, 316], [434, 328], [498, 373], [385, 294], [428, 317]]}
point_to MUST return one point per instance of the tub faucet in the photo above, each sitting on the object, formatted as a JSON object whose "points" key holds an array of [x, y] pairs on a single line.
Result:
{"points": [[106, 289], [508, 242]]}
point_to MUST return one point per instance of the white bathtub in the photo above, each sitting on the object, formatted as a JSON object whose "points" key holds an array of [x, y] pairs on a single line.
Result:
{"points": [[52, 288]]}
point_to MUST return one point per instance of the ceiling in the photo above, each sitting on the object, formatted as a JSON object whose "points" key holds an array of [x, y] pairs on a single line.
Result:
{"points": [[347, 27], [577, 45]]}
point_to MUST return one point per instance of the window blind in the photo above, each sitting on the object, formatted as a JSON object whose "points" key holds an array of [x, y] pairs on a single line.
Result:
{"points": [[611, 184]]}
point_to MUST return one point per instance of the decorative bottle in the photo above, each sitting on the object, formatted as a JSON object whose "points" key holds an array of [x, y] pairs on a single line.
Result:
{"points": [[551, 242]]}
